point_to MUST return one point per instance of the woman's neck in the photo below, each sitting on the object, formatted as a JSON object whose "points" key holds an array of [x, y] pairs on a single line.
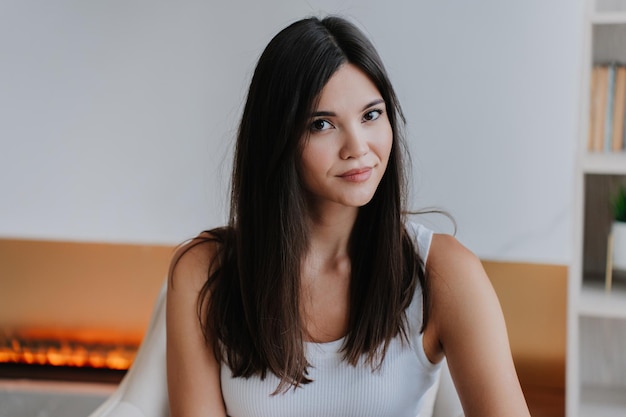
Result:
{"points": [[329, 232], [325, 278]]}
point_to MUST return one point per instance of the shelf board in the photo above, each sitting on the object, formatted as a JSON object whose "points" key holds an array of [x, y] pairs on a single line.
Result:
{"points": [[605, 163], [602, 401], [608, 18], [595, 301]]}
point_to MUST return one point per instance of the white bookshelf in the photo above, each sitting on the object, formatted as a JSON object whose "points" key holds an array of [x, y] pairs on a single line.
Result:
{"points": [[596, 301], [602, 402], [607, 18], [589, 301], [610, 163]]}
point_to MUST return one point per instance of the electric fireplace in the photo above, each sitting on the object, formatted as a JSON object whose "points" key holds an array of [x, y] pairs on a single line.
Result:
{"points": [[75, 310]]}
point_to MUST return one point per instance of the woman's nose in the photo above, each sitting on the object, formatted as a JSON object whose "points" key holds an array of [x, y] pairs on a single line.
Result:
{"points": [[354, 143]]}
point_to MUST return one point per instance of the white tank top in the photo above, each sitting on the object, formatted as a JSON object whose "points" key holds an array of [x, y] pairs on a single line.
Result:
{"points": [[340, 389]]}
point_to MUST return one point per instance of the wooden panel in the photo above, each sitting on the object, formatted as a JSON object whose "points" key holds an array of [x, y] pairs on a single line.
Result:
{"points": [[93, 289], [534, 302]]}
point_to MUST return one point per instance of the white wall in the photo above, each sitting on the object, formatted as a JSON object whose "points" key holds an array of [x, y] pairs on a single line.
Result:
{"points": [[117, 117]]}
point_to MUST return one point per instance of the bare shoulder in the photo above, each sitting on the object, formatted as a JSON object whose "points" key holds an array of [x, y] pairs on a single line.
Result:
{"points": [[458, 283], [452, 266], [192, 262], [192, 368], [467, 326]]}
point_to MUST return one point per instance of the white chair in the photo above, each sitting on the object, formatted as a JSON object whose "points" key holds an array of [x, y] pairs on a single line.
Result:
{"points": [[143, 390]]}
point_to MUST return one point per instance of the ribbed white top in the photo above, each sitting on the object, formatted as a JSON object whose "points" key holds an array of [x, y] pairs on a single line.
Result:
{"points": [[339, 389]]}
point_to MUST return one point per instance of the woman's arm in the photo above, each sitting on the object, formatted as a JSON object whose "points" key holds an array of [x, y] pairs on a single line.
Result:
{"points": [[467, 326], [193, 373]]}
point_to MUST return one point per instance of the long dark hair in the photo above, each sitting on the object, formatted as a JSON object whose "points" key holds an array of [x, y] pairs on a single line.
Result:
{"points": [[250, 305]]}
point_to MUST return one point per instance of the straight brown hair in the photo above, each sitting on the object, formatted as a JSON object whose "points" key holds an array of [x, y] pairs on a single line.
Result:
{"points": [[250, 305]]}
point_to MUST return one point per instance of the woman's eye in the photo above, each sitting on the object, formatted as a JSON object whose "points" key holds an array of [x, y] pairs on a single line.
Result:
{"points": [[320, 124], [372, 115]]}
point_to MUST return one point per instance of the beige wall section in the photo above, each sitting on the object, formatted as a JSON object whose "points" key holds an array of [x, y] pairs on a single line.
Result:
{"points": [[85, 289], [534, 301], [110, 289]]}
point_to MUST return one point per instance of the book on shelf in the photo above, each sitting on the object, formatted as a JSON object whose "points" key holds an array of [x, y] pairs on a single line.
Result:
{"points": [[619, 109], [608, 117], [607, 110], [599, 80]]}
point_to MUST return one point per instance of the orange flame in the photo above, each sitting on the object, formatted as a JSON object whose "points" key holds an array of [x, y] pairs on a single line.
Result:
{"points": [[68, 353]]}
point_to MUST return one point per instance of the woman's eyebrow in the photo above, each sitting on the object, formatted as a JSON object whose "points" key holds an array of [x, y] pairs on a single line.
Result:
{"points": [[373, 103], [323, 113]]}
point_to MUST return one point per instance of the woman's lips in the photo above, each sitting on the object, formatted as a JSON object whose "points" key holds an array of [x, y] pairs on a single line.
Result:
{"points": [[357, 175]]}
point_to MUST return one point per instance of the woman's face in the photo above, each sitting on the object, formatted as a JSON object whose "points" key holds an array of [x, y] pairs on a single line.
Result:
{"points": [[348, 141]]}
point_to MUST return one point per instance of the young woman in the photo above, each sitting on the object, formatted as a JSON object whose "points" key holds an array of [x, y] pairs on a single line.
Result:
{"points": [[320, 298]]}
